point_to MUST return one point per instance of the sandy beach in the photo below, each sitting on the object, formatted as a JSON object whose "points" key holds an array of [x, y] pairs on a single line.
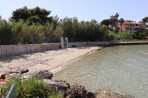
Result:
{"points": [[52, 60]]}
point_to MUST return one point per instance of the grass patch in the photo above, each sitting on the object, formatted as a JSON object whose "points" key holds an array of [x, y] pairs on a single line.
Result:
{"points": [[32, 88]]}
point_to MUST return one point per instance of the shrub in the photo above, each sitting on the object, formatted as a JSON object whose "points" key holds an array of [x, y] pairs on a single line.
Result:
{"points": [[109, 35], [143, 35], [57, 95], [124, 36], [5, 32], [32, 88]]}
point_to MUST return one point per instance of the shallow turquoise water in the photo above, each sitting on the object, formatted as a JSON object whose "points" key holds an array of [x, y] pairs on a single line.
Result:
{"points": [[123, 69]]}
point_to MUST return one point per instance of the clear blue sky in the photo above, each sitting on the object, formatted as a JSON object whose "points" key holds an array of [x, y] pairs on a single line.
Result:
{"points": [[82, 9]]}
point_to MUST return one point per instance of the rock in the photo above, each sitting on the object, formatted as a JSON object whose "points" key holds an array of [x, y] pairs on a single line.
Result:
{"points": [[24, 71], [61, 85], [78, 91], [58, 84], [3, 76], [8, 76], [44, 74], [105, 93]]}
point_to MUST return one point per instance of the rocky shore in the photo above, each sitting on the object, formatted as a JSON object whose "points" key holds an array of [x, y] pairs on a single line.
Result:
{"points": [[70, 91]]}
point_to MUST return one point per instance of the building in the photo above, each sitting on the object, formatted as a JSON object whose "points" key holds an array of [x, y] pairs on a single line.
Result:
{"points": [[131, 26]]}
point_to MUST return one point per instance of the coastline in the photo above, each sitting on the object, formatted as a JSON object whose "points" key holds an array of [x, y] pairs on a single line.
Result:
{"points": [[52, 60], [57, 60]]}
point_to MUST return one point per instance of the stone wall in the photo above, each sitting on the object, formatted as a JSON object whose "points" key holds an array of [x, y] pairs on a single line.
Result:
{"points": [[6, 50]]}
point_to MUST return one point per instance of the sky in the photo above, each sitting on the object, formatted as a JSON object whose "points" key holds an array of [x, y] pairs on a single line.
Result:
{"points": [[82, 9]]}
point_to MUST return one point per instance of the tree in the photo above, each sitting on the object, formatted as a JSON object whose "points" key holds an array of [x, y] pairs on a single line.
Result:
{"points": [[30, 16], [114, 21], [121, 22], [5, 32], [116, 16], [55, 21], [145, 20], [22, 13], [106, 22]]}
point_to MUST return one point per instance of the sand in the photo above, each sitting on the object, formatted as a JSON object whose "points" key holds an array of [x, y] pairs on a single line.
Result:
{"points": [[52, 60]]}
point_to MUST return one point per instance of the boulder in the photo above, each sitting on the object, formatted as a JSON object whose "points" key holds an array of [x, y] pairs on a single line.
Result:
{"points": [[61, 85], [78, 91], [44, 74], [3, 76], [24, 71], [58, 84]]}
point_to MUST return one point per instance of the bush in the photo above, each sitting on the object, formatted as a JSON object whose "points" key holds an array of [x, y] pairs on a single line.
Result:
{"points": [[109, 35], [5, 32], [32, 88], [143, 35], [124, 36]]}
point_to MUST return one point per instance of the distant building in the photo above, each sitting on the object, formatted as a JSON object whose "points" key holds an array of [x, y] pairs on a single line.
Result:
{"points": [[131, 26]]}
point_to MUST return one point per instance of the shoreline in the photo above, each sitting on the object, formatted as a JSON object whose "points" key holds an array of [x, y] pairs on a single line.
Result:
{"points": [[52, 60], [62, 66]]}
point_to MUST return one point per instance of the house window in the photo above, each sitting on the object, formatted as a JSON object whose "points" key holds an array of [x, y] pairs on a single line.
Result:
{"points": [[136, 24]]}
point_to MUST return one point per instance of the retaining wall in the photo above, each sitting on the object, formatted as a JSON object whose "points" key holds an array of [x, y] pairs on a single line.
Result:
{"points": [[80, 44], [6, 50], [27, 48]]}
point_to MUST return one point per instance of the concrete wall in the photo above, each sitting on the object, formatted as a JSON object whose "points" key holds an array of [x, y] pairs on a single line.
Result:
{"points": [[80, 44], [6, 50]]}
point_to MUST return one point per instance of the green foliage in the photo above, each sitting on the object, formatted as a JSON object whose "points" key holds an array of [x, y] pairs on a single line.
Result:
{"points": [[33, 88], [124, 36], [112, 22], [0, 90], [109, 35], [22, 33], [30, 26], [145, 19], [143, 35], [30, 16], [106, 22], [57, 95], [5, 32], [84, 30]]}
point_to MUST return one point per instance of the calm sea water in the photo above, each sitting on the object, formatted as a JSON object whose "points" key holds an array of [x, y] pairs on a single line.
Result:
{"points": [[123, 69]]}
